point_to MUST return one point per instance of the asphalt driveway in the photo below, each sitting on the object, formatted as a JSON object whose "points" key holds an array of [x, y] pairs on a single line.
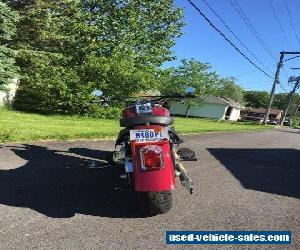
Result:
{"points": [[49, 198]]}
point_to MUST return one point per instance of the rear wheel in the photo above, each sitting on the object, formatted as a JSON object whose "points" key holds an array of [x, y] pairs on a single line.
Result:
{"points": [[155, 202]]}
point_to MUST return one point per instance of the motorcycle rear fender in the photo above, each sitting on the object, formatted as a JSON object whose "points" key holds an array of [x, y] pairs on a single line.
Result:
{"points": [[153, 180]]}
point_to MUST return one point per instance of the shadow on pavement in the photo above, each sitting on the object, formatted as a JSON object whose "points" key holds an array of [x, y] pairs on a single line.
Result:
{"points": [[274, 171], [59, 185], [292, 131]]}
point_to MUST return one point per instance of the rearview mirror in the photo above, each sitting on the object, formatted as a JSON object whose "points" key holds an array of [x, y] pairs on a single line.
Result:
{"points": [[190, 90]]}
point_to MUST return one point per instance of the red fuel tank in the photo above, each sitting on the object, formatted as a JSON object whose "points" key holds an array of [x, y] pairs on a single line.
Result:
{"points": [[156, 111]]}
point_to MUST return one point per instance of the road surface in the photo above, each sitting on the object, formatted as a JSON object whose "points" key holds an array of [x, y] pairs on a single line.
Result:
{"points": [[243, 181]]}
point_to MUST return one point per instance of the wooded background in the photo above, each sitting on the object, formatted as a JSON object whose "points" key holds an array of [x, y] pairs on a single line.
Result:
{"points": [[61, 51]]}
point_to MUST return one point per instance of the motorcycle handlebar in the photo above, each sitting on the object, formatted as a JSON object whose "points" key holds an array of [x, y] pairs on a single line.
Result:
{"points": [[162, 99], [171, 96], [178, 96]]}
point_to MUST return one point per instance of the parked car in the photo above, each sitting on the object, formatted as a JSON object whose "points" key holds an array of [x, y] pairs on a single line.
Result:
{"points": [[288, 122], [273, 121], [252, 119]]}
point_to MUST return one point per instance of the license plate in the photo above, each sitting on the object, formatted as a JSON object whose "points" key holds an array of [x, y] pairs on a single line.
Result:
{"points": [[148, 135]]}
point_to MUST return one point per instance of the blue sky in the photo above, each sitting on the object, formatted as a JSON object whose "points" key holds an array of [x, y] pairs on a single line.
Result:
{"points": [[201, 42]]}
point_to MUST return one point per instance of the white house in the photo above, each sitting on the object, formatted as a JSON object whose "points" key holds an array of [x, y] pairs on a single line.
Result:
{"points": [[209, 107], [7, 96]]}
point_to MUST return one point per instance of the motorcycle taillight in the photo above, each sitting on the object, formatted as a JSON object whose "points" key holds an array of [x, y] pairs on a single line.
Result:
{"points": [[151, 157]]}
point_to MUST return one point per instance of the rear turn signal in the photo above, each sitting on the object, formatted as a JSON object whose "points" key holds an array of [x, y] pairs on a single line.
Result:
{"points": [[151, 157]]}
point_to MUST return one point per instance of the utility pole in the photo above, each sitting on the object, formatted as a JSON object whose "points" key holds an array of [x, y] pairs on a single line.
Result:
{"points": [[298, 105], [276, 81], [290, 97]]}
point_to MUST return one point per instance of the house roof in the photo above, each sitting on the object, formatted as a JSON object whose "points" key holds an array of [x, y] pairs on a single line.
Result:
{"points": [[262, 110], [219, 100]]}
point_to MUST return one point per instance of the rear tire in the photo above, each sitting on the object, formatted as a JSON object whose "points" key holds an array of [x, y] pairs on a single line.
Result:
{"points": [[152, 203]]}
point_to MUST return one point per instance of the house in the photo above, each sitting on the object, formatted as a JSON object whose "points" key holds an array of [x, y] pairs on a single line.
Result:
{"points": [[7, 96], [257, 114], [209, 107]]}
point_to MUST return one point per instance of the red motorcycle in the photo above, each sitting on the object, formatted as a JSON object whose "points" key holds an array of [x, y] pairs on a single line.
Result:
{"points": [[147, 150]]}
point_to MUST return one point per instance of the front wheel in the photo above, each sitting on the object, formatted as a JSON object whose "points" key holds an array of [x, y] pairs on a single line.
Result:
{"points": [[153, 203]]}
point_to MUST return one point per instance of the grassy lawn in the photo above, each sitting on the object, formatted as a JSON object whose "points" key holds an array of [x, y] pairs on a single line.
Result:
{"points": [[21, 127]]}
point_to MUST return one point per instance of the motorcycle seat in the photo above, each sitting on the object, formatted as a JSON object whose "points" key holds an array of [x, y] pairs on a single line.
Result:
{"points": [[145, 120]]}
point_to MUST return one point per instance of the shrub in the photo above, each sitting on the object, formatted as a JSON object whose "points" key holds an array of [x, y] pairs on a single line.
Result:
{"points": [[101, 112], [297, 121]]}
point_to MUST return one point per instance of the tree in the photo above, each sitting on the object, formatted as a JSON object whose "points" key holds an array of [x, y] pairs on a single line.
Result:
{"points": [[281, 99], [231, 90], [70, 48], [295, 105], [191, 74], [44, 72], [256, 99], [8, 20]]}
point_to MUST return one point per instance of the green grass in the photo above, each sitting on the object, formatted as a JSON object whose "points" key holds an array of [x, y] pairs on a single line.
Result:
{"points": [[197, 125], [21, 127]]}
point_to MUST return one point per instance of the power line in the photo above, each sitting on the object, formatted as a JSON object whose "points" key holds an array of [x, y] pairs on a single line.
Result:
{"points": [[280, 26], [255, 70], [280, 85], [291, 20], [234, 34], [222, 34], [291, 58], [250, 26]]}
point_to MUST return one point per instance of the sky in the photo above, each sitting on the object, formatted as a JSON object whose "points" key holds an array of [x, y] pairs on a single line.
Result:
{"points": [[202, 42]]}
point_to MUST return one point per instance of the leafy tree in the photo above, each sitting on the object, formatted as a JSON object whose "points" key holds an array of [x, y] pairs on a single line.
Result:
{"points": [[231, 90], [8, 19], [42, 65], [259, 99], [70, 48], [256, 99], [191, 73], [295, 106], [281, 99]]}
